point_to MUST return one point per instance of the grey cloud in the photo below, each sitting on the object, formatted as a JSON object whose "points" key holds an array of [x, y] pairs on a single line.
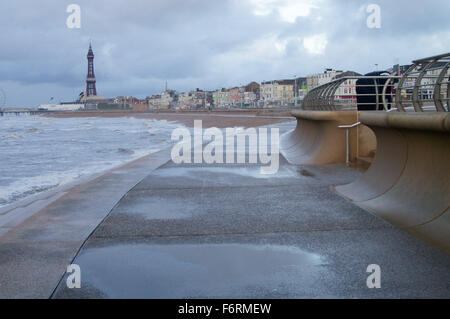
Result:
{"points": [[200, 43]]}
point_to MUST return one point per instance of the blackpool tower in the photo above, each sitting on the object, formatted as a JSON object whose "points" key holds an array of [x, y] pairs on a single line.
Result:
{"points": [[90, 79]]}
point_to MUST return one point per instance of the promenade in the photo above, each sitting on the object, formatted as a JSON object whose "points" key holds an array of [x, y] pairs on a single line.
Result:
{"points": [[156, 229], [225, 231]]}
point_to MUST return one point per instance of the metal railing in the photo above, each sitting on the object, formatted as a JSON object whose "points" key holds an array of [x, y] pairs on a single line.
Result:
{"points": [[425, 84], [352, 92], [423, 87]]}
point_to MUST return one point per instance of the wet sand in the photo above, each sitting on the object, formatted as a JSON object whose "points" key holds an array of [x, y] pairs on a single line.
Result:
{"points": [[220, 119]]}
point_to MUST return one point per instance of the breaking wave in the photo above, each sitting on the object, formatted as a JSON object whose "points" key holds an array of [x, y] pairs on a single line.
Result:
{"points": [[40, 154]]}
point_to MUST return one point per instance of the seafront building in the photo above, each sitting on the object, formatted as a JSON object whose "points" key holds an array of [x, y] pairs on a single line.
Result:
{"points": [[61, 107], [221, 98], [168, 98], [267, 92], [154, 101], [346, 92], [237, 97], [185, 100], [318, 79], [277, 93], [284, 92]]}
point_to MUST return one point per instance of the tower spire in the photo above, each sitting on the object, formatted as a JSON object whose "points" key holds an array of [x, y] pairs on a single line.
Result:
{"points": [[90, 79]]}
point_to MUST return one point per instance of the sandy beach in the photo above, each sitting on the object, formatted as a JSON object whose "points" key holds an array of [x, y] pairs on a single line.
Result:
{"points": [[219, 119]]}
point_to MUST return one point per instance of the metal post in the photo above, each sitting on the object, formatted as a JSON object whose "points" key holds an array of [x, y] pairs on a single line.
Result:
{"points": [[383, 96], [376, 95], [295, 90], [347, 141]]}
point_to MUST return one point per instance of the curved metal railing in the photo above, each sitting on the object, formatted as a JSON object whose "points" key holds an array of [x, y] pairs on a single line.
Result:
{"points": [[352, 92], [423, 87]]}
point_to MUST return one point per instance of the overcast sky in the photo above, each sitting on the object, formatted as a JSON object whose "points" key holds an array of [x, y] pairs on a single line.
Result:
{"points": [[139, 44]]}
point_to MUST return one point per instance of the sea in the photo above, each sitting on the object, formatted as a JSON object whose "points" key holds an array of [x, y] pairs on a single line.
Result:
{"points": [[39, 153]]}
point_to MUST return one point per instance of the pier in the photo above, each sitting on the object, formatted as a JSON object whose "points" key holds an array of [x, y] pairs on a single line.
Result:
{"points": [[19, 111]]}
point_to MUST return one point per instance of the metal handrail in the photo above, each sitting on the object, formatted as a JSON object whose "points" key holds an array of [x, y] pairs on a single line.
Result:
{"points": [[350, 126], [425, 86], [347, 140]]}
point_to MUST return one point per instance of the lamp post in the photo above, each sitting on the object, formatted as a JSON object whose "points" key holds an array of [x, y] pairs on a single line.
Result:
{"points": [[262, 95]]}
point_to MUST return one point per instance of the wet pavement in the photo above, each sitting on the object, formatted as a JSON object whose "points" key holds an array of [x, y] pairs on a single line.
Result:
{"points": [[227, 231], [41, 235]]}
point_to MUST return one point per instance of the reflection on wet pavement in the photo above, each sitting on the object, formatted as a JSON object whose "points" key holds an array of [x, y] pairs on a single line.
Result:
{"points": [[254, 172], [206, 270]]}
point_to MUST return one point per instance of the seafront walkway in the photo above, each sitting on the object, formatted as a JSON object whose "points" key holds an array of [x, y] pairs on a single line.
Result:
{"points": [[157, 229], [226, 231]]}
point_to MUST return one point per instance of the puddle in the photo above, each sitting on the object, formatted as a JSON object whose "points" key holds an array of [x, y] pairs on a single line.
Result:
{"points": [[208, 270]]}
